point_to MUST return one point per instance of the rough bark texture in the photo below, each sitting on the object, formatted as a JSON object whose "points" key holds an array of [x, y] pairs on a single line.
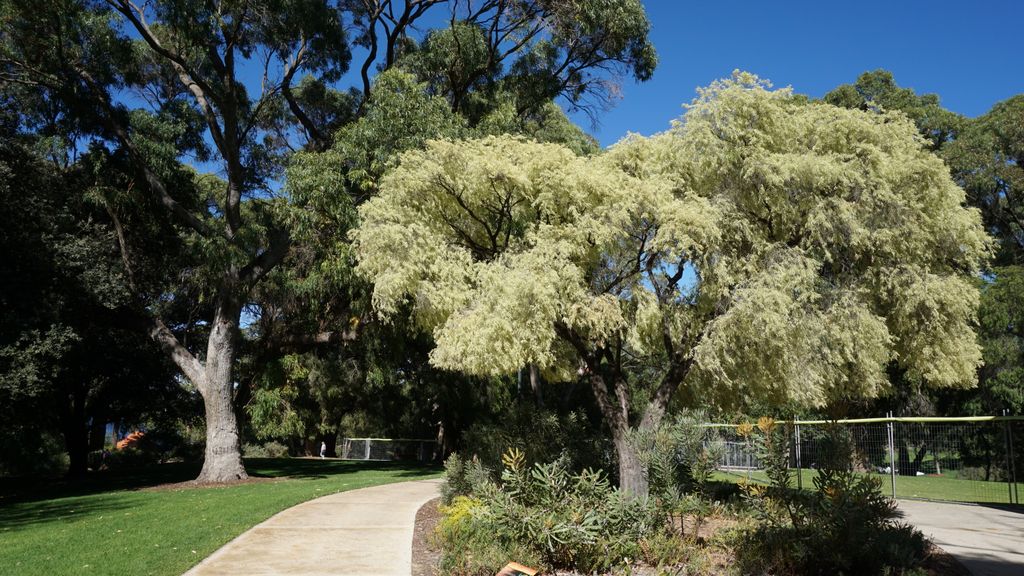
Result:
{"points": [[535, 385], [223, 459], [75, 431], [632, 475]]}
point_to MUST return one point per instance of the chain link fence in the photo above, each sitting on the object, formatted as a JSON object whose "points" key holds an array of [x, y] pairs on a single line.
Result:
{"points": [[384, 449], [967, 459]]}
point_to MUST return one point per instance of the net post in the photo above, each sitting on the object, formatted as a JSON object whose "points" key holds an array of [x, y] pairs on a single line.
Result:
{"points": [[1011, 473], [892, 453], [799, 464]]}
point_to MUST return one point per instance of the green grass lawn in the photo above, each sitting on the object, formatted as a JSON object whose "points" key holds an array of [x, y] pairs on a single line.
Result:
{"points": [[108, 523], [923, 487]]}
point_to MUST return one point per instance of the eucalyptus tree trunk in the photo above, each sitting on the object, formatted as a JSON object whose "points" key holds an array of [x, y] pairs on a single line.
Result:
{"points": [[215, 381], [223, 457]]}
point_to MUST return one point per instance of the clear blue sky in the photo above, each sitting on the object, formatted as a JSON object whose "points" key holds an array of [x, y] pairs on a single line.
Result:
{"points": [[968, 52]]}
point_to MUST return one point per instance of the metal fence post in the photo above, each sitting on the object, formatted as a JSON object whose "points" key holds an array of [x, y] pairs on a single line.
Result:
{"points": [[750, 463], [1013, 463], [799, 464], [367, 449], [1011, 473], [892, 453]]}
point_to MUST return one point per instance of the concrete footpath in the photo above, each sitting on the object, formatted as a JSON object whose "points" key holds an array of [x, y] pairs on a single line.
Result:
{"points": [[987, 540], [365, 532]]}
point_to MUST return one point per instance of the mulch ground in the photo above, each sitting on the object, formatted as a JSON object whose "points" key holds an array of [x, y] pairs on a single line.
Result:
{"points": [[194, 484], [425, 557]]}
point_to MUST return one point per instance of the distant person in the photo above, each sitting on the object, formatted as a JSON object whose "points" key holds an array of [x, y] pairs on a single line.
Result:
{"points": [[323, 449]]}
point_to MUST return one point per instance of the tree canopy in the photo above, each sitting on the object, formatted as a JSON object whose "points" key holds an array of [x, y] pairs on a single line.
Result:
{"points": [[763, 247]]}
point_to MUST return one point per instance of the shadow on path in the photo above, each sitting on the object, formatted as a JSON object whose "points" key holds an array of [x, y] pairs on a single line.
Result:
{"points": [[987, 540]]}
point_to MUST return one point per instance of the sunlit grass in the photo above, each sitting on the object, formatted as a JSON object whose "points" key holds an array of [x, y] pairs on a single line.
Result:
{"points": [[109, 525], [932, 487]]}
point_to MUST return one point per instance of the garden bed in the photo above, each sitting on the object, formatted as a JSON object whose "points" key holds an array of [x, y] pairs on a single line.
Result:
{"points": [[715, 559]]}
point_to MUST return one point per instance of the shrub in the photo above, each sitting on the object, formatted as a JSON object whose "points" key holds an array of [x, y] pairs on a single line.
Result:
{"points": [[680, 458], [845, 526], [124, 458], [161, 444], [272, 449], [468, 542], [24, 453], [463, 477], [548, 515], [543, 435]]}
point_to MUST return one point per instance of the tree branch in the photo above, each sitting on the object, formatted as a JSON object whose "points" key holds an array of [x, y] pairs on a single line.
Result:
{"points": [[256, 269], [192, 81], [593, 375], [152, 180], [185, 360], [316, 136]]}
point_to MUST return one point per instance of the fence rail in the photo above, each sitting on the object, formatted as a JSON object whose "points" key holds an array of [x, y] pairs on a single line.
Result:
{"points": [[959, 459]]}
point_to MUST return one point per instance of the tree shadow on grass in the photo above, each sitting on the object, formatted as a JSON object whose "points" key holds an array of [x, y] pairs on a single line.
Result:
{"points": [[315, 468], [21, 490], [17, 515], [14, 490]]}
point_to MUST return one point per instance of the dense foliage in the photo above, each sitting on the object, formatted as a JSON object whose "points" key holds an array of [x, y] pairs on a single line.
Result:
{"points": [[229, 272], [765, 247], [549, 517], [70, 360], [844, 526]]}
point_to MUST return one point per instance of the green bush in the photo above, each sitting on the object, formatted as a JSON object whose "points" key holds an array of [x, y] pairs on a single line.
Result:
{"points": [[165, 443], [543, 435], [124, 458], [463, 477], [272, 449], [548, 515], [680, 457], [28, 454], [469, 545], [845, 526]]}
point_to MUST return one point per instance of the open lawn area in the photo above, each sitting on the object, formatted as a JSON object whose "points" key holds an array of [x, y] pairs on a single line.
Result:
{"points": [[131, 523], [924, 487]]}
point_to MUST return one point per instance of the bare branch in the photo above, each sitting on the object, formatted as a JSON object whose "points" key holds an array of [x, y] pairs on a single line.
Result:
{"points": [[316, 136], [185, 360], [255, 270], [192, 81]]}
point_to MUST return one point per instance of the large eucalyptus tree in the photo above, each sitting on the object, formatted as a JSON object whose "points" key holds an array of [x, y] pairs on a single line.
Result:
{"points": [[232, 87]]}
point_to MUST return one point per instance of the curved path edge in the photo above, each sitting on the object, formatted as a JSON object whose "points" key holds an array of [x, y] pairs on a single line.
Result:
{"points": [[360, 532]]}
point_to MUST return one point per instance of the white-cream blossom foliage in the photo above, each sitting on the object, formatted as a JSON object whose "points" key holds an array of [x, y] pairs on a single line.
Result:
{"points": [[781, 248]]}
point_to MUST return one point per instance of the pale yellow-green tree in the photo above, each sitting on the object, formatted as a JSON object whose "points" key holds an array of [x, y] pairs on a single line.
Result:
{"points": [[763, 247]]}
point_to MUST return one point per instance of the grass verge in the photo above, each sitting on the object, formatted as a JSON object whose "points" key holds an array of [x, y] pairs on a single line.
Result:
{"points": [[111, 524], [922, 487]]}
